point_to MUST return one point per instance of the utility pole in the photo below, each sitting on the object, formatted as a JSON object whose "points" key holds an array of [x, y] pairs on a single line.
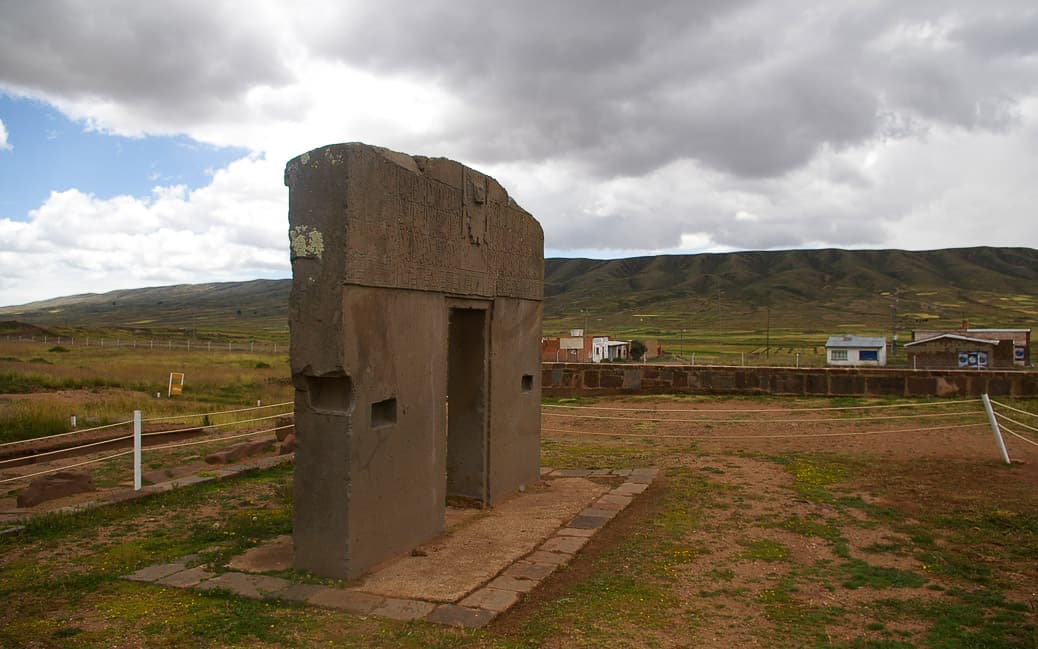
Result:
{"points": [[720, 322], [893, 321], [767, 336]]}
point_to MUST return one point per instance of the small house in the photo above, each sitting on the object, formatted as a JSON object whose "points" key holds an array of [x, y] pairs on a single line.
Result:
{"points": [[855, 351], [604, 350], [952, 350], [1019, 340]]}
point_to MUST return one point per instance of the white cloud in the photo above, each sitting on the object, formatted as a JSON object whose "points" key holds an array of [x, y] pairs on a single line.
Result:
{"points": [[231, 230], [4, 144]]}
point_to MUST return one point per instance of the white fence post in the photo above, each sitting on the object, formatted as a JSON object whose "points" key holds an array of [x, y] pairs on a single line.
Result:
{"points": [[995, 429], [136, 450]]}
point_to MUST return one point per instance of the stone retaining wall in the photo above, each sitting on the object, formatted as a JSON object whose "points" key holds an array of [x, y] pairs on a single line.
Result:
{"points": [[575, 379]]}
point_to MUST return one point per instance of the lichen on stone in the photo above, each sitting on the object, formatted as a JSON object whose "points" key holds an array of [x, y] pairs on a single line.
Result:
{"points": [[306, 242]]}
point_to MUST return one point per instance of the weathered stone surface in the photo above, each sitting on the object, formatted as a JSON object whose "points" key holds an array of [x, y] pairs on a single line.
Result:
{"points": [[575, 531], [300, 592], [629, 489], [403, 609], [239, 451], [56, 485], [252, 586], [571, 473], [346, 600], [530, 570], [288, 445], [613, 501], [284, 426], [505, 582], [595, 512], [385, 246], [588, 522], [566, 544], [186, 578], [554, 558], [492, 599], [157, 571], [454, 615], [600, 379]]}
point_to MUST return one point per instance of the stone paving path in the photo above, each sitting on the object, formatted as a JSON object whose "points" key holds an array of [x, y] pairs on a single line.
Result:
{"points": [[474, 609]]}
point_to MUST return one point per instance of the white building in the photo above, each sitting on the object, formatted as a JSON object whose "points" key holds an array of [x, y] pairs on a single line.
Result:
{"points": [[605, 350], [856, 351]]}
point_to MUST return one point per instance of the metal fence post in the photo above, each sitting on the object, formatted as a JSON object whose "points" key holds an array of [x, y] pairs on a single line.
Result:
{"points": [[136, 450], [995, 429]]}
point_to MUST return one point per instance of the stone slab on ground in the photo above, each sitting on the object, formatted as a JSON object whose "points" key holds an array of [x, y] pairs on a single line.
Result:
{"points": [[54, 486], [454, 615], [346, 600], [404, 609], [239, 451], [527, 539], [491, 599], [158, 571], [498, 538], [186, 578], [246, 585]]}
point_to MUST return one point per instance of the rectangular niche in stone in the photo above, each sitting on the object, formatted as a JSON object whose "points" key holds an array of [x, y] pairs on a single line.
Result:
{"points": [[415, 281]]}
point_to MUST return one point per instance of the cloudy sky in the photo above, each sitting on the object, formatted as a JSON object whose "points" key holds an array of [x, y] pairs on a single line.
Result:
{"points": [[144, 143]]}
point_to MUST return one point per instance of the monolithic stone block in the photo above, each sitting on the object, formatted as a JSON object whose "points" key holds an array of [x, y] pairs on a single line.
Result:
{"points": [[415, 317]]}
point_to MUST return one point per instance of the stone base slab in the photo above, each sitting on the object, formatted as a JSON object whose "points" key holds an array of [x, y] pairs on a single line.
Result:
{"points": [[474, 608]]}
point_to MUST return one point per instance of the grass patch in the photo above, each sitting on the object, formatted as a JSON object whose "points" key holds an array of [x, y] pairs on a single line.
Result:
{"points": [[765, 550], [859, 574]]}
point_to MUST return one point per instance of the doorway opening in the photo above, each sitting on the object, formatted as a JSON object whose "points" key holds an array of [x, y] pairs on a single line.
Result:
{"points": [[467, 392]]}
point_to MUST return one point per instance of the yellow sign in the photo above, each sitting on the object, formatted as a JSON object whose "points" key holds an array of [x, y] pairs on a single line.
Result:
{"points": [[176, 383]]}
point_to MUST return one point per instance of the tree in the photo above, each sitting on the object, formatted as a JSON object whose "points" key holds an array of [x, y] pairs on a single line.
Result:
{"points": [[638, 349]]}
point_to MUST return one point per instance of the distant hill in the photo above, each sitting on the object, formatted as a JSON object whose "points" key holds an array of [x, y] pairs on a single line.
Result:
{"points": [[802, 289], [258, 308], [816, 290]]}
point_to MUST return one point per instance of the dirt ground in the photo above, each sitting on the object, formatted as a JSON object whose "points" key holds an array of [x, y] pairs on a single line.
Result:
{"points": [[777, 523], [769, 563]]}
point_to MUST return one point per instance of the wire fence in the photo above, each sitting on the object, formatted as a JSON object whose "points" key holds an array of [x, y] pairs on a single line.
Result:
{"points": [[1028, 432], [154, 344], [703, 424], [212, 429]]}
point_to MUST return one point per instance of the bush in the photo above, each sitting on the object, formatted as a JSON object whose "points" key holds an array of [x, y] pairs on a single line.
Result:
{"points": [[58, 349], [638, 349]]}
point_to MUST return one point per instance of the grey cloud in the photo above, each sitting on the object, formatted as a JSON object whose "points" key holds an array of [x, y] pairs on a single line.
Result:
{"points": [[752, 89], [1010, 34], [177, 61]]}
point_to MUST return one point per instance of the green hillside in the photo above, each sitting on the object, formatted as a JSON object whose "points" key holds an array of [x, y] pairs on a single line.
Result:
{"points": [[740, 302]]}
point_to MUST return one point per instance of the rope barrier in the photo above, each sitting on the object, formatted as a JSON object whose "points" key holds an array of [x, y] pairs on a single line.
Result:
{"points": [[786, 436], [66, 450], [1008, 407], [219, 412], [771, 410], [217, 439], [227, 423], [752, 421], [1018, 423], [153, 419], [1029, 441], [72, 432], [67, 466]]}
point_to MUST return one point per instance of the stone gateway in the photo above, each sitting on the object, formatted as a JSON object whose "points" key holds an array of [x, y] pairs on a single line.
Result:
{"points": [[415, 315]]}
